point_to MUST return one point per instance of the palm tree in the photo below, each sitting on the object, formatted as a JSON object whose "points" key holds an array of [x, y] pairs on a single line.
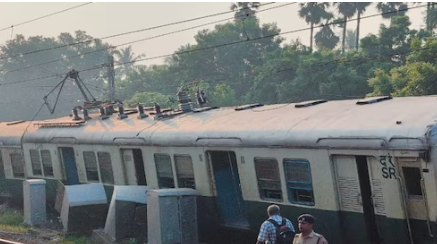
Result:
{"points": [[326, 38], [390, 9], [350, 42], [360, 9], [244, 9], [314, 13], [126, 57], [347, 10]]}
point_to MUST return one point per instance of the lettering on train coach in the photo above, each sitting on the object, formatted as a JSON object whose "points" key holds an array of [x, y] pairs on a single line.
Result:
{"points": [[388, 168]]}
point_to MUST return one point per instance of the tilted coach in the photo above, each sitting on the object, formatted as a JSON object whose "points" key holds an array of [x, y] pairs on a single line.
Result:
{"points": [[365, 169]]}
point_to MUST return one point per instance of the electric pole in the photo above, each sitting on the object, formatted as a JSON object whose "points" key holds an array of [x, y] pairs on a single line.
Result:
{"points": [[111, 78]]}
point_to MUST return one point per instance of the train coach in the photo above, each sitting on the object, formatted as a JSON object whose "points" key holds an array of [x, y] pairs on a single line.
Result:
{"points": [[366, 169]]}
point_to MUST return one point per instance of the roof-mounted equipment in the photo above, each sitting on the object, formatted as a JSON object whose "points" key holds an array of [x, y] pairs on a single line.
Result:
{"points": [[371, 100], [103, 114], [158, 113], [309, 103], [121, 114], [141, 113], [85, 114], [249, 106], [185, 104], [75, 114]]}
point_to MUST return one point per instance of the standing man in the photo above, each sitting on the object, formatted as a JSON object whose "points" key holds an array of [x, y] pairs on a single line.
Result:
{"points": [[274, 226], [307, 235]]}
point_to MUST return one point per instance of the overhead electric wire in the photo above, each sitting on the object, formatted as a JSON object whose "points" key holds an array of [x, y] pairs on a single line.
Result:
{"points": [[45, 16], [129, 32], [221, 45], [140, 40], [270, 36]]}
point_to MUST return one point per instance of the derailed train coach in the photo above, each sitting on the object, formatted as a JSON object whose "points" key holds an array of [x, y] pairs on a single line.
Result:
{"points": [[366, 169]]}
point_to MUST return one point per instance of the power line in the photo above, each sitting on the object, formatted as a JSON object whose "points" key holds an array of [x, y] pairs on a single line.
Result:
{"points": [[45, 16], [127, 33], [221, 45], [273, 35], [218, 46], [140, 40]]}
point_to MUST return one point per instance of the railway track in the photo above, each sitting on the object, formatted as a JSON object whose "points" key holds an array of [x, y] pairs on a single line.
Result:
{"points": [[3, 241]]}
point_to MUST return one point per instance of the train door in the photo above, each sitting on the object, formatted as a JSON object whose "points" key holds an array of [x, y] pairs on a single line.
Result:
{"points": [[355, 191], [228, 189], [410, 172], [69, 161], [134, 166]]}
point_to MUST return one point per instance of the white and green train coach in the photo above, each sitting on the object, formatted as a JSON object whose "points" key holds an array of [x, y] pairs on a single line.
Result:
{"points": [[365, 169]]}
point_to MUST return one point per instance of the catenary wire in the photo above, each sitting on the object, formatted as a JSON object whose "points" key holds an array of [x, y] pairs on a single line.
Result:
{"points": [[45, 16], [221, 45], [126, 33], [135, 41]]}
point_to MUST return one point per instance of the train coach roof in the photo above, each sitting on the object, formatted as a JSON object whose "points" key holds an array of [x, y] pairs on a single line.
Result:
{"points": [[11, 132], [333, 123]]}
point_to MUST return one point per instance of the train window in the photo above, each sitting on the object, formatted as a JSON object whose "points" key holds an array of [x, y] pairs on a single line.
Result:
{"points": [[35, 162], [17, 165], [47, 163], [269, 182], [412, 180], [105, 165], [164, 170], [184, 171], [89, 159], [299, 182]]}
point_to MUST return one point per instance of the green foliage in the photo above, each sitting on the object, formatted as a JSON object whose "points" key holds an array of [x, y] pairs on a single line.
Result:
{"points": [[11, 217], [242, 61]]}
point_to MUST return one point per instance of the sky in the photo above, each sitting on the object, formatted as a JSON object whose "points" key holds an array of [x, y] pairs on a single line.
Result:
{"points": [[104, 19]]}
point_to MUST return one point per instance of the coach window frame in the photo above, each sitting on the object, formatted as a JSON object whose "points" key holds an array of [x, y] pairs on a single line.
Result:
{"points": [[298, 184], [265, 196]]}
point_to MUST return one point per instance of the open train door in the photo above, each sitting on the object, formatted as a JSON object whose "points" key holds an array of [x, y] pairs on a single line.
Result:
{"points": [[356, 199], [412, 182]]}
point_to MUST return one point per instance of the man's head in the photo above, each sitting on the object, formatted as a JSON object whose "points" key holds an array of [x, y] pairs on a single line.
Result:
{"points": [[273, 210], [306, 222]]}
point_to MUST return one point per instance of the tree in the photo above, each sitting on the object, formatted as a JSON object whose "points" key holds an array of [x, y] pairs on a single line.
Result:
{"points": [[23, 70], [126, 58], [360, 8], [347, 10], [314, 13], [391, 9], [244, 9], [326, 38]]}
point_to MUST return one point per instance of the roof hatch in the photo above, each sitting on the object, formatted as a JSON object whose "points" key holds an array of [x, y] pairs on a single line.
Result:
{"points": [[248, 106], [371, 100], [309, 103]]}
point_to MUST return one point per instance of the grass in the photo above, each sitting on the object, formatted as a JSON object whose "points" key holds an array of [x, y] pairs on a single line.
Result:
{"points": [[76, 240], [12, 221]]}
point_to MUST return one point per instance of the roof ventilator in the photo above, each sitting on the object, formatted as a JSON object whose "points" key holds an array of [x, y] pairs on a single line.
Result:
{"points": [[204, 109], [121, 114], [141, 113], [249, 106], [371, 100], [185, 104], [15, 122], [309, 103]]}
